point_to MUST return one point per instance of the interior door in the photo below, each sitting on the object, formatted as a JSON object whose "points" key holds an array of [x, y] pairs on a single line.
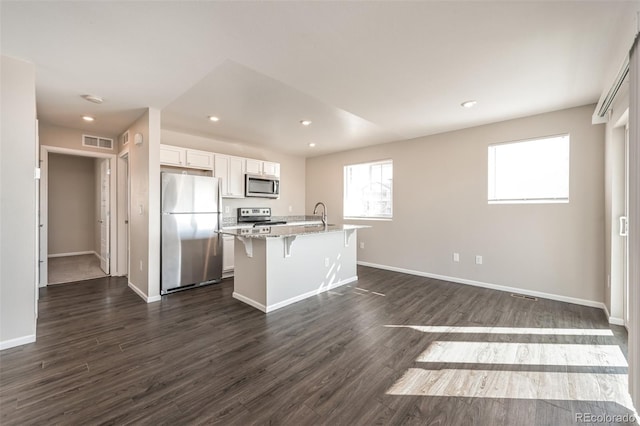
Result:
{"points": [[104, 215]]}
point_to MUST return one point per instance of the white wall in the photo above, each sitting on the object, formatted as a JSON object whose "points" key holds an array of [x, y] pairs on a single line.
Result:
{"points": [[18, 203], [440, 207], [64, 137], [292, 172], [71, 209], [144, 222]]}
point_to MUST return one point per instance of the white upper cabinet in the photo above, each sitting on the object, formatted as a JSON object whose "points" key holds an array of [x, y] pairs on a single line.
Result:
{"points": [[172, 155], [271, 169], [199, 159], [231, 170], [253, 167], [259, 167], [184, 157]]}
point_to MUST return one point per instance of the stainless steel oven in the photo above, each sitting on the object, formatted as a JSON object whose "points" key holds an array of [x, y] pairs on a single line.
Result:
{"points": [[261, 186]]}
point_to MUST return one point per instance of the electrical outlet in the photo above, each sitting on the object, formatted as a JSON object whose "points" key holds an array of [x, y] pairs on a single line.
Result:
{"points": [[226, 209], [361, 244], [290, 209], [478, 260], [456, 257]]}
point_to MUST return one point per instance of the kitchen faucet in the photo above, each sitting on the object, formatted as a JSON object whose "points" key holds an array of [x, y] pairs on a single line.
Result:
{"points": [[324, 212]]}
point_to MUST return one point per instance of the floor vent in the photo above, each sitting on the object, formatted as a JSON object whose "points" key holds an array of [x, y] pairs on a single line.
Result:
{"points": [[525, 297]]}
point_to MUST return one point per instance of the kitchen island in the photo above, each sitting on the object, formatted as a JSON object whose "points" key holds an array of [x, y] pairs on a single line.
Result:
{"points": [[276, 266]]}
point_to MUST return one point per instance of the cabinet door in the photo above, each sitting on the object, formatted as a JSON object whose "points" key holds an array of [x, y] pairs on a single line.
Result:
{"points": [[253, 167], [271, 169], [172, 155], [235, 177], [227, 253], [221, 170], [199, 159]]}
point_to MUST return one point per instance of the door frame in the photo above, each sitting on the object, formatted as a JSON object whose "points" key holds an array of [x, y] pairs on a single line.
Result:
{"points": [[44, 202], [124, 211], [105, 215], [625, 254]]}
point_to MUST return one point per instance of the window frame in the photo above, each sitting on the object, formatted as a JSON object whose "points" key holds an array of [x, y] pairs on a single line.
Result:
{"points": [[544, 200], [344, 190]]}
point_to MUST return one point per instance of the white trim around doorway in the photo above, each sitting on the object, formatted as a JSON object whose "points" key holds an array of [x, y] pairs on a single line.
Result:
{"points": [[44, 202]]}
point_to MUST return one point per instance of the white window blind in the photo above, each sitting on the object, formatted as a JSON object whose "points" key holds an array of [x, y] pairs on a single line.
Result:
{"points": [[531, 171]]}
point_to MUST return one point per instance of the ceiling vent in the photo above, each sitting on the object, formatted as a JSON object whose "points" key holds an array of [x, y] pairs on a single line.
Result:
{"points": [[97, 142]]}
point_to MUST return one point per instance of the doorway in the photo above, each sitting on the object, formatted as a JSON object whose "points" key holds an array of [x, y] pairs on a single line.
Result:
{"points": [[76, 227]]}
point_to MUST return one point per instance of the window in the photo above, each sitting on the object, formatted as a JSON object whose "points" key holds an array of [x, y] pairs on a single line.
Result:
{"points": [[368, 190], [532, 171]]}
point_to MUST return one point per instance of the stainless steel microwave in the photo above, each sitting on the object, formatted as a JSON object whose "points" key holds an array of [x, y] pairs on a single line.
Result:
{"points": [[261, 186]]}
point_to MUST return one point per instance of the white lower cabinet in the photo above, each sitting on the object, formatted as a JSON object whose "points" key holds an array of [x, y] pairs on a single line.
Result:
{"points": [[227, 255]]}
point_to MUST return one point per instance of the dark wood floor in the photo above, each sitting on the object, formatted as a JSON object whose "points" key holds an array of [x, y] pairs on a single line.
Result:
{"points": [[103, 356]]}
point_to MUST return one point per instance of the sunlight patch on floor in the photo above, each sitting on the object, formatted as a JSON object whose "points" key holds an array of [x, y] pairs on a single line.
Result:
{"points": [[508, 330], [524, 354], [514, 384]]}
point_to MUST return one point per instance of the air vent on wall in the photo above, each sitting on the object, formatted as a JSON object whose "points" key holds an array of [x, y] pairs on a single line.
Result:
{"points": [[125, 138], [97, 142]]}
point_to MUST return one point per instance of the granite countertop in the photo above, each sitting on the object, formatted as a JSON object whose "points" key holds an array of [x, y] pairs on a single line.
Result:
{"points": [[231, 226], [287, 230], [230, 222]]}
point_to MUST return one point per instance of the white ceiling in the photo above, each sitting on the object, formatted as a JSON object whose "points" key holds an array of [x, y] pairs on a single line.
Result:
{"points": [[363, 72]]}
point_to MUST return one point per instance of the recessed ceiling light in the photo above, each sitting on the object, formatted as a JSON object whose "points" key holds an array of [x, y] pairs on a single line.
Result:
{"points": [[311, 145], [213, 118], [469, 104], [305, 122], [87, 118], [93, 98]]}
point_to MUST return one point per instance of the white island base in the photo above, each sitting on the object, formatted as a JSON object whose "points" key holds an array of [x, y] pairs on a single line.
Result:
{"points": [[274, 272]]}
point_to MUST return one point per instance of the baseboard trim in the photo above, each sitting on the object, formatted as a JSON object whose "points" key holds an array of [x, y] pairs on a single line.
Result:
{"points": [[275, 306], [19, 341], [73, 253], [542, 295], [616, 321], [249, 301], [143, 295]]}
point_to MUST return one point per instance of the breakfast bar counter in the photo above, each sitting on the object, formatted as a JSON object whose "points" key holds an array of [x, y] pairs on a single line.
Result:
{"points": [[276, 266]]}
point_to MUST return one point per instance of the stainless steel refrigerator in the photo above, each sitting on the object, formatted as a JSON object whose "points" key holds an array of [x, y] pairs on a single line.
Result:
{"points": [[191, 250]]}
